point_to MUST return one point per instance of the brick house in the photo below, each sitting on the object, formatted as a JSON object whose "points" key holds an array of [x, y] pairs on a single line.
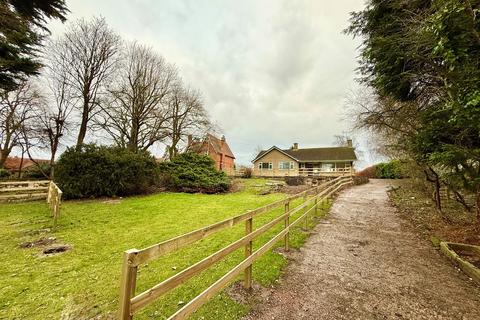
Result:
{"points": [[217, 149]]}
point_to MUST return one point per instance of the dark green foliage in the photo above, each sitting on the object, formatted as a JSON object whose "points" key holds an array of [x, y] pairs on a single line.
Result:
{"points": [[40, 171], [22, 24], [4, 173], [94, 171], [191, 172], [389, 170], [423, 56]]}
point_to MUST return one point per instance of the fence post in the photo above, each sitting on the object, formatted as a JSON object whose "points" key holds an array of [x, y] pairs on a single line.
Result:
{"points": [[248, 252], [305, 220], [287, 224], [49, 193], [127, 285]]}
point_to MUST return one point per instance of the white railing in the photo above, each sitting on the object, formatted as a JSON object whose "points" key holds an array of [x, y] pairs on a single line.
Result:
{"points": [[322, 171]]}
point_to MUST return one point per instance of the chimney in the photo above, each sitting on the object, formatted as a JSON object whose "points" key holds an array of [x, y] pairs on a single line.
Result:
{"points": [[349, 143], [295, 146], [223, 138], [190, 140]]}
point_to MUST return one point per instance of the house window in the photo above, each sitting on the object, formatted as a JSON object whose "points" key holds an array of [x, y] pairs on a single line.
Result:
{"points": [[265, 166], [327, 167], [285, 165]]}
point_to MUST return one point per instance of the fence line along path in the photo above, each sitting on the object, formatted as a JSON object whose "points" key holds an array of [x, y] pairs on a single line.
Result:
{"points": [[131, 303]]}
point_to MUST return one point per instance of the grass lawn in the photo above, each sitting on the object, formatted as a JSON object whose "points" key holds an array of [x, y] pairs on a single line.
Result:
{"points": [[83, 283]]}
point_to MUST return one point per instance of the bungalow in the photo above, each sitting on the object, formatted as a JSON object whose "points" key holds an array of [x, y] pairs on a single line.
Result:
{"points": [[217, 149], [331, 161]]}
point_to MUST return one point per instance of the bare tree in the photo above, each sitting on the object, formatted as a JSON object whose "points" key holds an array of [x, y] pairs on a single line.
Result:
{"points": [[88, 54], [187, 116], [137, 113], [17, 109], [54, 115]]}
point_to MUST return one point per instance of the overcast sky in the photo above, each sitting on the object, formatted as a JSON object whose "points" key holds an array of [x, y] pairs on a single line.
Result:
{"points": [[271, 72]]}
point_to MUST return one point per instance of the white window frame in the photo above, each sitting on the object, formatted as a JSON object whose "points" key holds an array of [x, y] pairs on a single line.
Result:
{"points": [[281, 165]]}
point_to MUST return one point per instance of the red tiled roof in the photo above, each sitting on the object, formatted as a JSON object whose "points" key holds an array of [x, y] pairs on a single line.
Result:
{"points": [[13, 163], [219, 146]]}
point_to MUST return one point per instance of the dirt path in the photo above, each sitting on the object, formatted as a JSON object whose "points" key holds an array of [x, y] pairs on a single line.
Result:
{"points": [[365, 262]]}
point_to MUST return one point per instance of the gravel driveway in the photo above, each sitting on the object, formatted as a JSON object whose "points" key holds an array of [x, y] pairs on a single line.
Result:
{"points": [[365, 262]]}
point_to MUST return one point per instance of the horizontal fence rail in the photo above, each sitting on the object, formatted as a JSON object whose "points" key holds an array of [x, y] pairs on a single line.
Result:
{"points": [[133, 258], [23, 190], [33, 190]]}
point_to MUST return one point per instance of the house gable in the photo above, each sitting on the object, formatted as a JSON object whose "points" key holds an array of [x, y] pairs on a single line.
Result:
{"points": [[273, 153]]}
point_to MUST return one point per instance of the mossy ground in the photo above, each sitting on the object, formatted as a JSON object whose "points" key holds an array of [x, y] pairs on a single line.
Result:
{"points": [[83, 282]]}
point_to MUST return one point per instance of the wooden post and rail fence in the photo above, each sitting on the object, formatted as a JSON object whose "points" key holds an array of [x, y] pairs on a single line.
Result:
{"points": [[131, 303], [33, 190], [54, 197]]}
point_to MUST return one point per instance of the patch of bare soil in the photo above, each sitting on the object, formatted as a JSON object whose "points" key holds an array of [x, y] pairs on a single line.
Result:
{"points": [[55, 250], [237, 186], [453, 223], [365, 262], [294, 189], [43, 241], [112, 201]]}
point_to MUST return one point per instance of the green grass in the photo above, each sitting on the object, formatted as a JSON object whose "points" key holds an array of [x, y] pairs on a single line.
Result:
{"points": [[83, 282]]}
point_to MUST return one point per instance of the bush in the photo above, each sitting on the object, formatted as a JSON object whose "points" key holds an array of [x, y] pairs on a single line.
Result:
{"points": [[191, 172], [369, 172], [35, 171], [358, 180], [247, 173], [385, 170], [294, 181], [389, 170], [4, 173], [94, 171]]}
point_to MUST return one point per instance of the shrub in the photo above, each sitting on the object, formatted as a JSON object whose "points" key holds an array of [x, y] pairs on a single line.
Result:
{"points": [[94, 171], [4, 173], [294, 181], [35, 171], [384, 170], [369, 172], [191, 172], [247, 173], [358, 180], [389, 170]]}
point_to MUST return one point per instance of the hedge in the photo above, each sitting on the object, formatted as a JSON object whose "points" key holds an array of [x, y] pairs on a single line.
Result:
{"points": [[191, 172], [94, 171]]}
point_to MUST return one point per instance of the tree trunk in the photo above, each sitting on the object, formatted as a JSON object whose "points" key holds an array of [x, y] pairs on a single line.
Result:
{"points": [[52, 160], [438, 199], [133, 141], [21, 164], [436, 182], [83, 126], [3, 158]]}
